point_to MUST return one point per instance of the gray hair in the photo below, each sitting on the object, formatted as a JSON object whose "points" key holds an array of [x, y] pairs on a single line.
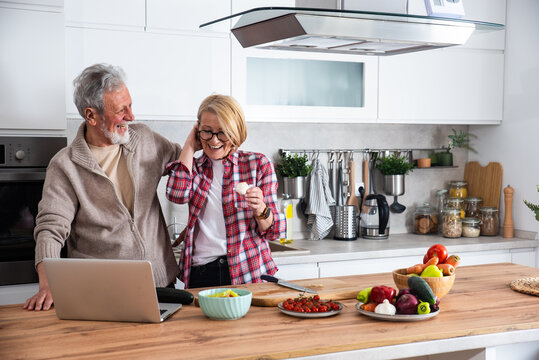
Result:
{"points": [[91, 84]]}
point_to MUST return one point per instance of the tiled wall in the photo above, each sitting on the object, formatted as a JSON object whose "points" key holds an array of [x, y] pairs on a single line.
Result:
{"points": [[268, 138]]}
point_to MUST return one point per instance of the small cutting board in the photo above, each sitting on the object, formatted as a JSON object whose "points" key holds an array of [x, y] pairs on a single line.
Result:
{"points": [[484, 182]]}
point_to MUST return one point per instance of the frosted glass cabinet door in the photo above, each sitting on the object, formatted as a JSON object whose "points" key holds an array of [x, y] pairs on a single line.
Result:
{"points": [[304, 87]]}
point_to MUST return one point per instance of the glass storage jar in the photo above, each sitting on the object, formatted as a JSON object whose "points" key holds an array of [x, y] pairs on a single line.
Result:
{"points": [[471, 227], [458, 189], [472, 206], [451, 223], [425, 220], [441, 195], [489, 221], [455, 203]]}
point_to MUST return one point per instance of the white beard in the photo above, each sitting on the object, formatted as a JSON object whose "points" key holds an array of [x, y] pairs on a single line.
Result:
{"points": [[115, 138]]}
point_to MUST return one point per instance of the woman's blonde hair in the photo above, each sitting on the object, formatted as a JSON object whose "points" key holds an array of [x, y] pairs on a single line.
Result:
{"points": [[230, 116]]}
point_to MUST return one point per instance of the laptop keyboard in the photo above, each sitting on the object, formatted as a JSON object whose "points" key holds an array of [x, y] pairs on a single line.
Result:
{"points": [[162, 311]]}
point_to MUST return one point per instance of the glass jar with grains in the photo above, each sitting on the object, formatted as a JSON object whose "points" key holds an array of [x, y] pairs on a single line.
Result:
{"points": [[455, 203], [425, 220], [451, 223], [458, 189], [489, 221], [471, 227], [472, 206]]}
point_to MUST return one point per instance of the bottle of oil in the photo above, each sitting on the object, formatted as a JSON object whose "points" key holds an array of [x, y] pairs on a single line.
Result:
{"points": [[287, 207]]}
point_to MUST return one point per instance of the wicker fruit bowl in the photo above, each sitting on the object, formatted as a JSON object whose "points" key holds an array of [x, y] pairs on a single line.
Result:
{"points": [[440, 285]]}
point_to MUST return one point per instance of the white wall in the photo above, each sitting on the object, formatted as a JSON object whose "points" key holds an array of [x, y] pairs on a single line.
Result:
{"points": [[515, 143]]}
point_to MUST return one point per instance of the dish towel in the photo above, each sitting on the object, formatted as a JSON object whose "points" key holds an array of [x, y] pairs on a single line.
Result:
{"points": [[319, 220]]}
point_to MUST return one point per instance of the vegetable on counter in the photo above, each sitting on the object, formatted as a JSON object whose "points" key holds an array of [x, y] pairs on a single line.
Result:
{"points": [[385, 308], [382, 292], [453, 260], [447, 269], [421, 289], [432, 271], [437, 250], [364, 295], [371, 306], [423, 308], [407, 304]]}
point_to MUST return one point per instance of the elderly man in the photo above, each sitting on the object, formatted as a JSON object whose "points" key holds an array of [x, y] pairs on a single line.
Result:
{"points": [[99, 197]]}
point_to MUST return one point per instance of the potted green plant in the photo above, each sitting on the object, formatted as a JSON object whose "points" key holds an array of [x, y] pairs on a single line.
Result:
{"points": [[394, 167], [294, 169], [533, 207], [456, 140]]}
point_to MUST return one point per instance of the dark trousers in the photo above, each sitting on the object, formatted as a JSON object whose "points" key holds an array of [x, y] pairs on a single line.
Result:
{"points": [[215, 273]]}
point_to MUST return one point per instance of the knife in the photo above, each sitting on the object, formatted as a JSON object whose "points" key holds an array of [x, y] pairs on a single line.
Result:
{"points": [[286, 283]]}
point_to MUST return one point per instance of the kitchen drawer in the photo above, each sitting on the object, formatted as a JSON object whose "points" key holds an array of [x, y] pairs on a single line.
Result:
{"points": [[365, 266], [297, 271]]}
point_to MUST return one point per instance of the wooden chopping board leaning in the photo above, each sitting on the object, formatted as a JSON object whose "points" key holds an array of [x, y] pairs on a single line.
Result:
{"points": [[484, 182]]}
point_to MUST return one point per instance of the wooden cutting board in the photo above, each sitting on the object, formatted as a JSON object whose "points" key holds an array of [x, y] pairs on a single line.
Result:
{"points": [[270, 294], [484, 182]]}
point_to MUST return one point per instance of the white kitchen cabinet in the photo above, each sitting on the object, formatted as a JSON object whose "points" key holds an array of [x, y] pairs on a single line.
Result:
{"points": [[108, 14], [298, 271], [364, 266], [319, 78], [380, 265], [456, 85], [460, 86], [32, 63], [168, 74], [187, 16]]}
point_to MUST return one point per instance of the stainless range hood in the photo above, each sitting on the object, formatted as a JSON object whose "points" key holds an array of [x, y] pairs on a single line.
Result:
{"points": [[348, 31]]}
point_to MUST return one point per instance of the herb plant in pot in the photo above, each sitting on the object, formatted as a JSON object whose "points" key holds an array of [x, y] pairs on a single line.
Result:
{"points": [[394, 167], [294, 169], [456, 140]]}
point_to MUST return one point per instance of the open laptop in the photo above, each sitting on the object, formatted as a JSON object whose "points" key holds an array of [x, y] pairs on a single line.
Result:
{"points": [[113, 290]]}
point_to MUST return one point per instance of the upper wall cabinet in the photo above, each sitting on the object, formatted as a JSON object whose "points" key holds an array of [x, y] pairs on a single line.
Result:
{"points": [[32, 66], [110, 14], [186, 16], [462, 84], [304, 87], [171, 65]]}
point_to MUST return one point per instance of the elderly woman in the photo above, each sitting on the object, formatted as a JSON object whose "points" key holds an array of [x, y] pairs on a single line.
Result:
{"points": [[232, 198]]}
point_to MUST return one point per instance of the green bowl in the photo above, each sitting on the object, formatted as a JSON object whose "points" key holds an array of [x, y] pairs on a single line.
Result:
{"points": [[220, 308]]}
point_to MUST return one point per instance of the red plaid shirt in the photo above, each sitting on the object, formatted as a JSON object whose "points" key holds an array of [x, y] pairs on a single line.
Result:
{"points": [[248, 251]]}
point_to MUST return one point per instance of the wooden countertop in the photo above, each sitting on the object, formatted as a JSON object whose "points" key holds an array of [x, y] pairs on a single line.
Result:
{"points": [[481, 302]]}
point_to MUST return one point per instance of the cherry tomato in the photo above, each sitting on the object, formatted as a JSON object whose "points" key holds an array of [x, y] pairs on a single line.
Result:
{"points": [[436, 250]]}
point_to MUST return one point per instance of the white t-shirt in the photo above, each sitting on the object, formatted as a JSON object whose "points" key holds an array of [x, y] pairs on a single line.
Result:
{"points": [[210, 239]]}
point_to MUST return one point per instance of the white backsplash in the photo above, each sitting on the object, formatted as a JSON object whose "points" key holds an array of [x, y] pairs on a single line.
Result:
{"points": [[268, 138]]}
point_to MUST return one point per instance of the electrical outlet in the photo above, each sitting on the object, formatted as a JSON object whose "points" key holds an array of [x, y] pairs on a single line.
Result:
{"points": [[357, 186]]}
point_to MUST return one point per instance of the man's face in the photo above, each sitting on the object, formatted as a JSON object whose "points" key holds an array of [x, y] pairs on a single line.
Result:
{"points": [[112, 127]]}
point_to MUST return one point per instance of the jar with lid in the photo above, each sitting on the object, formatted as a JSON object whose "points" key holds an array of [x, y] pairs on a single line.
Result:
{"points": [[425, 220], [441, 195], [489, 221], [458, 189], [472, 206], [471, 227], [451, 223], [455, 203]]}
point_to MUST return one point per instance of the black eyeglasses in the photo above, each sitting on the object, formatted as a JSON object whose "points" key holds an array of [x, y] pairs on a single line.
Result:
{"points": [[207, 135]]}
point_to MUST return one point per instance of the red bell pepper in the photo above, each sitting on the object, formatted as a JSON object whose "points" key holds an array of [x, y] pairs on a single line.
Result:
{"points": [[382, 292]]}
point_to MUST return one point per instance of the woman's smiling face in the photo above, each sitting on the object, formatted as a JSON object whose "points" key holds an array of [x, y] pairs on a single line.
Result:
{"points": [[214, 148]]}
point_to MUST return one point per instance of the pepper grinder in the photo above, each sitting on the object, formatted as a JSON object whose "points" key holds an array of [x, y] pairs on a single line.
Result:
{"points": [[508, 230]]}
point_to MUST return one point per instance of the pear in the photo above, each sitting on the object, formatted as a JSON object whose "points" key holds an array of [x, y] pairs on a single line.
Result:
{"points": [[432, 271]]}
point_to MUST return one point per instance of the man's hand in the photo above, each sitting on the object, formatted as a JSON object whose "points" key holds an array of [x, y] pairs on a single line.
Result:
{"points": [[43, 299]]}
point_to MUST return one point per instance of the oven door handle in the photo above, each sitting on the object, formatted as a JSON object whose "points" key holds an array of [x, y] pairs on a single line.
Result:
{"points": [[22, 175]]}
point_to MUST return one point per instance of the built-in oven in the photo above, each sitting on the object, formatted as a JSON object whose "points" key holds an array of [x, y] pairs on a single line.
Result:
{"points": [[23, 163]]}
